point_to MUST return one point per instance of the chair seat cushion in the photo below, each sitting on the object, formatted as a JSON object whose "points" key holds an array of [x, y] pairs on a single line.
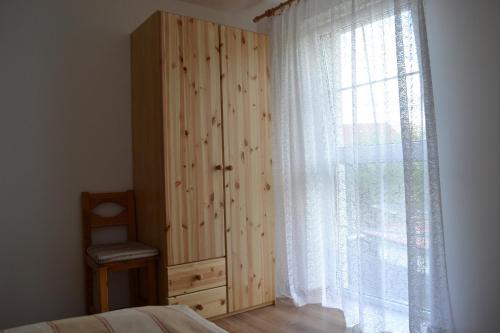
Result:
{"points": [[107, 253]]}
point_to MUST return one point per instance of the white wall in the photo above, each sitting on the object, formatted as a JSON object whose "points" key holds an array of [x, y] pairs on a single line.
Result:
{"points": [[64, 128], [464, 41]]}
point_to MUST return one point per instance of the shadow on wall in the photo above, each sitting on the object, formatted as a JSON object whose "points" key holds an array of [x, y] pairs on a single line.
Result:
{"points": [[464, 51]]}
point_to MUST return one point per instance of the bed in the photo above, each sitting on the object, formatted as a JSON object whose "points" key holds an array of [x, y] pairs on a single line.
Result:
{"points": [[148, 319]]}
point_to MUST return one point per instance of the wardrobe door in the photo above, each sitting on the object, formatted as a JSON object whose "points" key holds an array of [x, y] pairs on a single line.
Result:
{"points": [[247, 160], [193, 140]]}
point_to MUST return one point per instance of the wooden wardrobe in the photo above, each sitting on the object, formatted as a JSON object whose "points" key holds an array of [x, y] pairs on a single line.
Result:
{"points": [[202, 161]]}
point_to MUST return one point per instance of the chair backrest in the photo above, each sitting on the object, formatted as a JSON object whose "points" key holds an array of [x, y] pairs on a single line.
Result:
{"points": [[91, 220]]}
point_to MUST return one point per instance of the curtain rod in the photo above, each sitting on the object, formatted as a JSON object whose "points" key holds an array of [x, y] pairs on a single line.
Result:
{"points": [[274, 11]]}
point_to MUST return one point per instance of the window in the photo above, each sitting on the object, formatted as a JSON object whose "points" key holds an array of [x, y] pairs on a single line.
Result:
{"points": [[364, 84]]}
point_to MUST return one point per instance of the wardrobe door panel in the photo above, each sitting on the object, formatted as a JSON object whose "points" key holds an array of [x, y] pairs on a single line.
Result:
{"points": [[248, 175], [193, 140]]}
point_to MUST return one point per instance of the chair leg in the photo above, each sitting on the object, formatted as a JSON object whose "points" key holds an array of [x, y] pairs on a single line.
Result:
{"points": [[133, 276], [103, 289], [89, 289], [152, 296]]}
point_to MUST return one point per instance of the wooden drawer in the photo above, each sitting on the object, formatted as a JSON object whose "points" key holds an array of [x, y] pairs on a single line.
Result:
{"points": [[208, 303], [192, 277]]}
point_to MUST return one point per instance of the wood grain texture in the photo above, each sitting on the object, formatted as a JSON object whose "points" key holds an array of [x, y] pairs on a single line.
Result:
{"points": [[193, 141], [284, 317], [208, 303], [147, 135], [177, 139], [202, 155], [247, 153], [192, 277]]}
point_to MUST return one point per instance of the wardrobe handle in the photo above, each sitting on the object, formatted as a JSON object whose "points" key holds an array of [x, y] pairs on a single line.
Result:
{"points": [[218, 167], [229, 168]]}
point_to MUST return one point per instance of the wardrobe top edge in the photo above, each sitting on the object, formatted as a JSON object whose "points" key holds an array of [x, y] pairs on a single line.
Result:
{"points": [[163, 12]]}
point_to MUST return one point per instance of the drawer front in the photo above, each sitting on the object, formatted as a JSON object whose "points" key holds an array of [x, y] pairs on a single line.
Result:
{"points": [[192, 277], [208, 303]]}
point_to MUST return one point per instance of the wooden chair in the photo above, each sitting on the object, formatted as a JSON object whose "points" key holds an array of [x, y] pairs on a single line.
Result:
{"points": [[103, 259]]}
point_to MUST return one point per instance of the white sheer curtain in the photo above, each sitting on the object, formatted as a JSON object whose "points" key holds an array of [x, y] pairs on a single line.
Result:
{"points": [[359, 222]]}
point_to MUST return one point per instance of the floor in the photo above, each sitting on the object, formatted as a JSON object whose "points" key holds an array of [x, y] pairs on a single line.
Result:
{"points": [[285, 317]]}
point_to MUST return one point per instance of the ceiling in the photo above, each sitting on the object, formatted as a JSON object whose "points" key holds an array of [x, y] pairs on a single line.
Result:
{"points": [[232, 5]]}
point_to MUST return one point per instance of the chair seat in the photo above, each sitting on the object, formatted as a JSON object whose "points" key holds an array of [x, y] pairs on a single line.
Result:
{"points": [[107, 253]]}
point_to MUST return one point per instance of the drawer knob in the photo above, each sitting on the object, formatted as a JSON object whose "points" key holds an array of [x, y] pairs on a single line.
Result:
{"points": [[218, 167], [199, 307], [198, 277], [229, 168]]}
